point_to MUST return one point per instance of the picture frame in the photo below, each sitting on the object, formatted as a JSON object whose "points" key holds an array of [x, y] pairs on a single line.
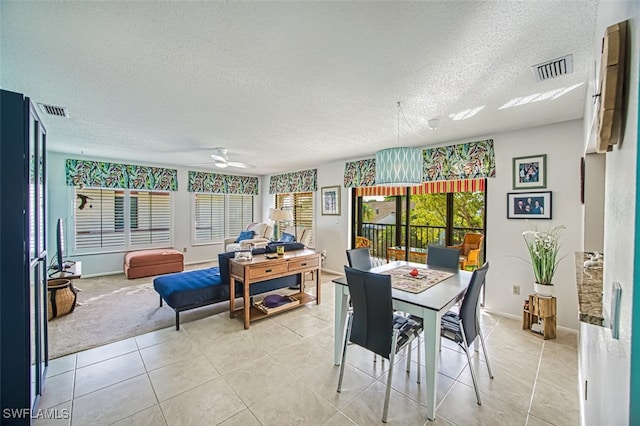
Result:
{"points": [[530, 172], [330, 200], [529, 205]]}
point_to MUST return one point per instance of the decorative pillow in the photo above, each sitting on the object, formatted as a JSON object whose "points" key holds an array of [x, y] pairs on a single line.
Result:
{"points": [[287, 238], [244, 235], [259, 229]]}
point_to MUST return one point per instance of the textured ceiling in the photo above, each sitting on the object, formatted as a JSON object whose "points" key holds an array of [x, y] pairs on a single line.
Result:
{"points": [[291, 85]]}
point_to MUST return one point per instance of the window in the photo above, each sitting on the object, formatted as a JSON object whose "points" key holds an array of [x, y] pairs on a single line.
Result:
{"points": [[301, 206], [102, 221], [210, 212]]}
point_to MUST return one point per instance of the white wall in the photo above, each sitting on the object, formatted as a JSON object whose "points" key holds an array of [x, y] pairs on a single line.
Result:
{"points": [[563, 144], [607, 360], [61, 204]]}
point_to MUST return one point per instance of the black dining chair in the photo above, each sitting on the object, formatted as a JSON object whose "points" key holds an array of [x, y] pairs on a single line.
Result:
{"points": [[464, 327], [373, 325], [443, 257], [359, 258]]}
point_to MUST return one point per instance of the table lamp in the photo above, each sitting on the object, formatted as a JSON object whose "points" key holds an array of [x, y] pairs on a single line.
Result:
{"points": [[277, 216]]}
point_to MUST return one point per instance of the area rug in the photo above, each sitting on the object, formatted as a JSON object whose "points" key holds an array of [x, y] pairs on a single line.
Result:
{"points": [[113, 308]]}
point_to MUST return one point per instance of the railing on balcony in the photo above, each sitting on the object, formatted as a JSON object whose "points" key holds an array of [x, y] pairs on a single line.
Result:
{"points": [[420, 236]]}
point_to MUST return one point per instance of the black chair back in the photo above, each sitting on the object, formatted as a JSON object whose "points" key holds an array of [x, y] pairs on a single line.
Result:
{"points": [[468, 313], [372, 326], [443, 257], [359, 258]]}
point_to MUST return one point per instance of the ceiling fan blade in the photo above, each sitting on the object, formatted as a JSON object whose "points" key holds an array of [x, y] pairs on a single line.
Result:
{"points": [[240, 165], [218, 158]]}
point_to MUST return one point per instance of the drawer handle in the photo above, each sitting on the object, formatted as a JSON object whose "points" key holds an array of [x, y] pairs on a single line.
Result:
{"points": [[304, 264], [268, 270]]}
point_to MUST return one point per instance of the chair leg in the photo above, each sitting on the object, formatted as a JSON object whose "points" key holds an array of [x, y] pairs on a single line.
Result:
{"points": [[484, 349], [344, 351], [409, 358], [387, 394], [419, 358], [473, 372]]}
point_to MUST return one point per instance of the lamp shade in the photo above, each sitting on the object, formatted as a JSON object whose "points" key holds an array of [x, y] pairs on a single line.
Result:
{"points": [[279, 214], [399, 166]]}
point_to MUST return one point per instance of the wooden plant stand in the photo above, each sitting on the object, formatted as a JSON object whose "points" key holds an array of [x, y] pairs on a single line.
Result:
{"points": [[540, 308]]}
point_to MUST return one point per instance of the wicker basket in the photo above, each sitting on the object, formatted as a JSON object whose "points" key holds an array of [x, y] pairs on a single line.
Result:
{"points": [[61, 298]]}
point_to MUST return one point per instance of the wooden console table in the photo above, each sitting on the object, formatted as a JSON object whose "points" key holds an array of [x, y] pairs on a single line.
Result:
{"points": [[261, 269]]}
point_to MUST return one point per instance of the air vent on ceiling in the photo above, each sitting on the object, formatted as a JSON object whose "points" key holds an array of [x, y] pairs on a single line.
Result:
{"points": [[554, 68], [54, 110]]}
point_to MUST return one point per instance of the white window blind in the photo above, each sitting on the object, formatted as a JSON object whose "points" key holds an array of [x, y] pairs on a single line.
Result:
{"points": [[95, 220], [102, 221], [209, 218], [211, 211], [240, 210], [149, 218]]}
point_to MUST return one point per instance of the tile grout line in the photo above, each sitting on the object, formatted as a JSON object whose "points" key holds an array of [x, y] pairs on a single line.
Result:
{"points": [[535, 383]]}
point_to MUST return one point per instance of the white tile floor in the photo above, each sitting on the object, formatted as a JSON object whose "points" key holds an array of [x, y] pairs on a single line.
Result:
{"points": [[281, 372]]}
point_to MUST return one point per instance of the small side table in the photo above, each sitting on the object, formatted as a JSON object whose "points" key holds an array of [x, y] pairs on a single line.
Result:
{"points": [[540, 310]]}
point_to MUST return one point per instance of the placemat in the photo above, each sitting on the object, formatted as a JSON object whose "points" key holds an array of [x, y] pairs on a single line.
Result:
{"points": [[402, 280]]}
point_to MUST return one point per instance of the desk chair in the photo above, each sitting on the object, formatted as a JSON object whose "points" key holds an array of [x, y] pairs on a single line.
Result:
{"points": [[443, 257], [373, 325], [464, 327]]}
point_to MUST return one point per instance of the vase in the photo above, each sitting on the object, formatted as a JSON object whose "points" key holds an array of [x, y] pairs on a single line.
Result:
{"points": [[543, 290]]}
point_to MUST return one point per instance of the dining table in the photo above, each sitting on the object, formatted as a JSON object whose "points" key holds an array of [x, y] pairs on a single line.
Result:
{"points": [[430, 305]]}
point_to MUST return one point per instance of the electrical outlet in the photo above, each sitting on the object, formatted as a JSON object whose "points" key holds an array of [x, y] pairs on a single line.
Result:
{"points": [[516, 290], [184, 249]]}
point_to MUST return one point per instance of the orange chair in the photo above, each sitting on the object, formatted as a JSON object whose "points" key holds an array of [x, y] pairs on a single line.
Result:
{"points": [[362, 242], [470, 250]]}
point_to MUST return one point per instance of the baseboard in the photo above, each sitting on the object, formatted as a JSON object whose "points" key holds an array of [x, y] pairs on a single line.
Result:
{"points": [[329, 271], [519, 318]]}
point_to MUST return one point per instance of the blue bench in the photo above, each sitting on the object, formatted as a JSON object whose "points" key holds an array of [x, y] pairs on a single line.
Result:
{"points": [[193, 289]]}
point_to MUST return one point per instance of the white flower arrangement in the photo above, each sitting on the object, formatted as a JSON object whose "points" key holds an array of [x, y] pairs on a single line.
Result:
{"points": [[544, 247]]}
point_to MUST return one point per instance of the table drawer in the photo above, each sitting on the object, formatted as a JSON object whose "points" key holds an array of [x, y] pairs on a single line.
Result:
{"points": [[303, 264], [264, 271]]}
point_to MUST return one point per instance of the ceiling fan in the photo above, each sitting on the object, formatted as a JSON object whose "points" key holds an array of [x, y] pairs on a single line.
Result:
{"points": [[220, 159]]}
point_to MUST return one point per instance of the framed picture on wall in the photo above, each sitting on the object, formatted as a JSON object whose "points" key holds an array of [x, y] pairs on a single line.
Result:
{"points": [[330, 200], [530, 172], [529, 205]]}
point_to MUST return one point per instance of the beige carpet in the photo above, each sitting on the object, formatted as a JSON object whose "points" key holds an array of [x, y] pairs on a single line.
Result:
{"points": [[115, 308]]}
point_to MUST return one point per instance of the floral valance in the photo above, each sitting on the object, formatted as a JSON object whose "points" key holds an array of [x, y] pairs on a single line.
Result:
{"points": [[471, 160], [302, 181], [222, 184], [360, 173], [463, 161], [100, 174]]}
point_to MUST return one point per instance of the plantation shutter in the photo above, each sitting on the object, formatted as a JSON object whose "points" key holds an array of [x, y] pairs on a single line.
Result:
{"points": [[96, 215], [301, 206], [240, 210], [209, 226], [149, 218]]}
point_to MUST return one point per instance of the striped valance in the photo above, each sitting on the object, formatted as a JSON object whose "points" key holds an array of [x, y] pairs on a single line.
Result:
{"points": [[466, 185], [100, 174], [302, 181], [222, 184], [454, 162]]}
